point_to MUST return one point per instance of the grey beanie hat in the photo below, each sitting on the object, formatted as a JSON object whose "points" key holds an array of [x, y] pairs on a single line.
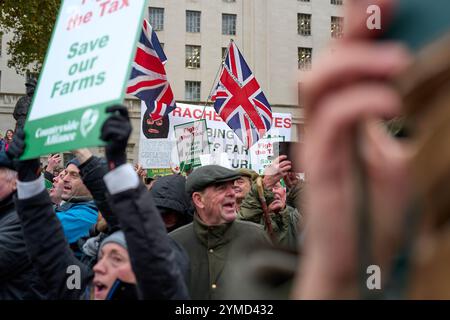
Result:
{"points": [[117, 237], [73, 161]]}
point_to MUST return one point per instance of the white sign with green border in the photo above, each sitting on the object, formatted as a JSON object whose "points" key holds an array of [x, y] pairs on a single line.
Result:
{"points": [[192, 141], [86, 69]]}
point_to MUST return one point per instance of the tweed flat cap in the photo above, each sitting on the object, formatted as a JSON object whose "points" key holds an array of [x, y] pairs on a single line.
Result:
{"points": [[209, 175], [248, 173]]}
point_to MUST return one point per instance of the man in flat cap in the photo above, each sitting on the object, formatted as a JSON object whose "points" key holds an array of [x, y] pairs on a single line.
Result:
{"points": [[266, 204], [243, 185], [215, 237]]}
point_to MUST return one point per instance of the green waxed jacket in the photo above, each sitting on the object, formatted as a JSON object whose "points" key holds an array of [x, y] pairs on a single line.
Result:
{"points": [[285, 223], [212, 251], [294, 197]]}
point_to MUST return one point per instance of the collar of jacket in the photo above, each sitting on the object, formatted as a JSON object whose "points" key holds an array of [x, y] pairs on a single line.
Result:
{"points": [[212, 236], [66, 205], [81, 199], [122, 291], [282, 218]]}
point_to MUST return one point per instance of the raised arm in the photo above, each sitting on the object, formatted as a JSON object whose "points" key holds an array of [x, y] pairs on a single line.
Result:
{"points": [[66, 277], [156, 259]]}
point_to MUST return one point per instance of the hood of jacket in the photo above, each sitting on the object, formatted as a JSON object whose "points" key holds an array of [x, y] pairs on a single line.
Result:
{"points": [[169, 192]]}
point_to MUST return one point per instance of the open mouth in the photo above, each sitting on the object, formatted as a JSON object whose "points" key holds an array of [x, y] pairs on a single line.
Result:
{"points": [[153, 131], [229, 205], [100, 289]]}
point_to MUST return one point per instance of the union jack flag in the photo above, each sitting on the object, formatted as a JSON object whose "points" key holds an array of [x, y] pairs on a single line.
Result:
{"points": [[240, 101], [148, 80]]}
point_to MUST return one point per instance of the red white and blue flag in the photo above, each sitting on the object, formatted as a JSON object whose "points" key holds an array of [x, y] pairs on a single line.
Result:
{"points": [[148, 80], [240, 101]]}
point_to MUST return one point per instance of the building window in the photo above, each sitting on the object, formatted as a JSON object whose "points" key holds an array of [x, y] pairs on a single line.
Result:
{"points": [[156, 18], [229, 24], [304, 58], [303, 0], [337, 2], [192, 90], [193, 57], [193, 21], [304, 24], [337, 27]]}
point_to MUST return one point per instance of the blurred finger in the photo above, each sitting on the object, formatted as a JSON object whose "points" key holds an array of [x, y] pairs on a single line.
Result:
{"points": [[285, 164], [357, 61], [279, 159], [340, 113]]}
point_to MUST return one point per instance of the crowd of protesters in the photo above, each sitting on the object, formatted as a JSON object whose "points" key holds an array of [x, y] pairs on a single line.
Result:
{"points": [[102, 229], [175, 239]]}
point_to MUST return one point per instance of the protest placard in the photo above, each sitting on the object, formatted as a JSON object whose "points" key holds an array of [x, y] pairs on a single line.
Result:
{"points": [[86, 69], [192, 141], [160, 135]]}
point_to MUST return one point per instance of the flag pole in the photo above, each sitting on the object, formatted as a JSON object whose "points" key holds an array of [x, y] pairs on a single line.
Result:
{"points": [[210, 93], [215, 79]]}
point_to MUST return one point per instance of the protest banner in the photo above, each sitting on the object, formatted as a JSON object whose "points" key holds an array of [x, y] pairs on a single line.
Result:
{"points": [[86, 69], [158, 148]]}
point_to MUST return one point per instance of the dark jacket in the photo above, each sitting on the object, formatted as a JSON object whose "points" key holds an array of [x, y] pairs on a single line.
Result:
{"points": [[48, 247], [295, 198], [212, 251], [156, 263], [42, 229], [48, 176], [18, 278], [161, 266]]}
